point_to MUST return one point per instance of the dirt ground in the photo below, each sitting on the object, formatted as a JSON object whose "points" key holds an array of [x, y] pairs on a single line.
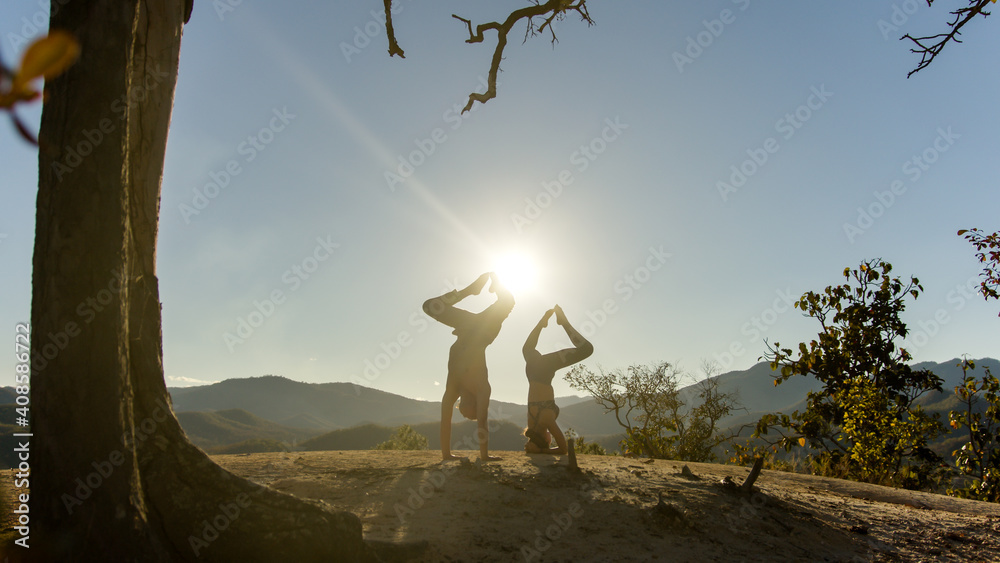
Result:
{"points": [[533, 508]]}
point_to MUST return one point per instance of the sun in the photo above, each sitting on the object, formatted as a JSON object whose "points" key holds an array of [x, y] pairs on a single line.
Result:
{"points": [[517, 271]]}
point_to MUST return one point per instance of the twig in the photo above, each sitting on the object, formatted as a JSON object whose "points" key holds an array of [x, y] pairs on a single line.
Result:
{"points": [[929, 51], [556, 7], [394, 48]]}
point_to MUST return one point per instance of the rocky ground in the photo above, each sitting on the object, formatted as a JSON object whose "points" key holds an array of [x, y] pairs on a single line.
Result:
{"points": [[533, 508]]}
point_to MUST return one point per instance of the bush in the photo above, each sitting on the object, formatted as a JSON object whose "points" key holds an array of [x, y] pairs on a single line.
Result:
{"points": [[979, 458], [405, 438], [648, 403], [583, 447]]}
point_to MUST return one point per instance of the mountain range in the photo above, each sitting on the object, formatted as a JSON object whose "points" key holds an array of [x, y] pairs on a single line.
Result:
{"points": [[272, 410]]}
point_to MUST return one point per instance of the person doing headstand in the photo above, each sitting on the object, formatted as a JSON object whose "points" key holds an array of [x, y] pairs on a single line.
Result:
{"points": [[540, 369], [467, 375]]}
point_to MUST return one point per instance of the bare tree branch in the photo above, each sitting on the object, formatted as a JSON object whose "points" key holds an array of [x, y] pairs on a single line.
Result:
{"points": [[394, 48], [556, 10], [930, 46]]}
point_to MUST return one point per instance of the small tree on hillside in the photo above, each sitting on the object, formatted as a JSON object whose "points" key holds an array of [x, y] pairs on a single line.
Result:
{"points": [[979, 458], [405, 438], [648, 403], [866, 416]]}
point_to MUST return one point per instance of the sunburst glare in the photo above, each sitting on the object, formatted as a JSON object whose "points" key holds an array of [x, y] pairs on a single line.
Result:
{"points": [[517, 271]]}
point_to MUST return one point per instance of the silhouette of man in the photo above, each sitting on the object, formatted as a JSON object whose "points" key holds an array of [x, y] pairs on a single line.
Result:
{"points": [[467, 374]]}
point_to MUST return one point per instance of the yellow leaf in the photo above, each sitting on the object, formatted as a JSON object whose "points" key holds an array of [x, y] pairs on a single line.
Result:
{"points": [[46, 57], [802, 442]]}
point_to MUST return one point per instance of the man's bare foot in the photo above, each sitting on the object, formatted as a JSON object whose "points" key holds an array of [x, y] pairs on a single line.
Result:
{"points": [[476, 287], [489, 458], [449, 457], [494, 282]]}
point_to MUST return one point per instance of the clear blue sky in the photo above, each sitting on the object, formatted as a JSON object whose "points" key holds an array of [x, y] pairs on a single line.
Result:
{"points": [[639, 239]]}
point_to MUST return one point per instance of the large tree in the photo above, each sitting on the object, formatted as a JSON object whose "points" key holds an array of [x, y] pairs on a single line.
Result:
{"points": [[114, 477], [866, 416]]}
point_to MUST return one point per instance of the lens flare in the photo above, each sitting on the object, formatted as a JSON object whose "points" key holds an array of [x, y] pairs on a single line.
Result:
{"points": [[517, 271]]}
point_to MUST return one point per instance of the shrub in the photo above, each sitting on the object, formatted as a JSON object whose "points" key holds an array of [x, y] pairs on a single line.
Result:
{"points": [[405, 438], [648, 403], [979, 458], [583, 447]]}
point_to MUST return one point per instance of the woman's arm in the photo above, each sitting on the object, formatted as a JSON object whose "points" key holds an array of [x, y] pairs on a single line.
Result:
{"points": [[529, 350]]}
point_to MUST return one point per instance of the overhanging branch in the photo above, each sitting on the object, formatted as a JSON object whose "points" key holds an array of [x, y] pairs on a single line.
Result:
{"points": [[930, 46], [556, 9], [394, 48]]}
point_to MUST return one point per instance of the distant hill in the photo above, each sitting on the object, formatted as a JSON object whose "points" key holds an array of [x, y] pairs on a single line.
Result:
{"points": [[291, 412], [572, 400], [754, 387], [325, 406], [361, 437], [219, 428]]}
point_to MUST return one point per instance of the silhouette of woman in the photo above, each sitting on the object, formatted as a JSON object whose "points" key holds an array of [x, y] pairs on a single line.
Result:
{"points": [[540, 369], [467, 375]]}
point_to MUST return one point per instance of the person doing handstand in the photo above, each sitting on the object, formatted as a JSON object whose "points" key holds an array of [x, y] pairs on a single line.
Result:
{"points": [[540, 369], [467, 375]]}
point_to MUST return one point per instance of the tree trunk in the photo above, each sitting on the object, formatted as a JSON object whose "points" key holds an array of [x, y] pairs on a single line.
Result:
{"points": [[114, 477]]}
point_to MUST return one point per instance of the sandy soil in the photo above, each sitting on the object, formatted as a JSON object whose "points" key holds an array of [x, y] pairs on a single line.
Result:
{"points": [[533, 508]]}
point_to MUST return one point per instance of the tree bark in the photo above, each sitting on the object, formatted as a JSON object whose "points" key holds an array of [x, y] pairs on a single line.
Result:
{"points": [[113, 476]]}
